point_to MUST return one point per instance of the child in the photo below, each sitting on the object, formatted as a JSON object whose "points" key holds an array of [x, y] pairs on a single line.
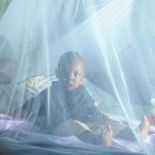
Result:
{"points": [[72, 109]]}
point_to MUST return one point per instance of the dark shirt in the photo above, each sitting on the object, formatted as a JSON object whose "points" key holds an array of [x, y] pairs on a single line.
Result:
{"points": [[64, 105]]}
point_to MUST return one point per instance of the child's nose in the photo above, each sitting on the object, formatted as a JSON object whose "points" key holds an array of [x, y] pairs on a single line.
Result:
{"points": [[71, 76]]}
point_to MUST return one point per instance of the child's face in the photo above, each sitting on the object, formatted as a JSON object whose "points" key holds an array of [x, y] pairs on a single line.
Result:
{"points": [[72, 75]]}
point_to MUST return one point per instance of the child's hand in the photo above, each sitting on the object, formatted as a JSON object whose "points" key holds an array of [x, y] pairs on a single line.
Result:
{"points": [[107, 135]]}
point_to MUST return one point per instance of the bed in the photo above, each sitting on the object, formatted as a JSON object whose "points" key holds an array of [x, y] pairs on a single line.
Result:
{"points": [[19, 136]]}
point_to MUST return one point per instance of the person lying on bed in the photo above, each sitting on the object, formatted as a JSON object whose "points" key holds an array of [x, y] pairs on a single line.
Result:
{"points": [[72, 110]]}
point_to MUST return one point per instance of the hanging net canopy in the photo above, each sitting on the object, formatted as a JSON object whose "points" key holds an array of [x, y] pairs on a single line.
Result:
{"points": [[77, 76]]}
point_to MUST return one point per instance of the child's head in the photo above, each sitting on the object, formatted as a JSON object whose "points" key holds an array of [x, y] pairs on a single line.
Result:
{"points": [[70, 70]]}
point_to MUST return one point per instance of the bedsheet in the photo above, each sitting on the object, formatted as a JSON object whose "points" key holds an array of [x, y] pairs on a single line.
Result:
{"points": [[25, 135]]}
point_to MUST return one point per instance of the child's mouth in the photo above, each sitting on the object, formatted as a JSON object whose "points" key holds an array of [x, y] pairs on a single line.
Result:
{"points": [[69, 86]]}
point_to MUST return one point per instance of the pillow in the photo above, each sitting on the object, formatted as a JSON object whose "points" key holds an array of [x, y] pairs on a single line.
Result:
{"points": [[34, 85], [37, 84]]}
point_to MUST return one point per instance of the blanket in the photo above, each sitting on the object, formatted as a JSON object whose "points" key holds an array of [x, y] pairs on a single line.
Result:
{"points": [[27, 133]]}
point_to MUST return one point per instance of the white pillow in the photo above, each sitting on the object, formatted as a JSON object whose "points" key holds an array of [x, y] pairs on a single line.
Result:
{"points": [[37, 84]]}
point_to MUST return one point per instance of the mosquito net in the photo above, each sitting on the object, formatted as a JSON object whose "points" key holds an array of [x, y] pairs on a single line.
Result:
{"points": [[78, 73]]}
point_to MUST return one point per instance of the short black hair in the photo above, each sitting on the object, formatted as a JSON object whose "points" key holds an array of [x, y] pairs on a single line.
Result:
{"points": [[69, 58]]}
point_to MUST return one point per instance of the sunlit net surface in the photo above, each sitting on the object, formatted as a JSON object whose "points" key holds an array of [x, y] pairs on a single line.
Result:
{"points": [[115, 37]]}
